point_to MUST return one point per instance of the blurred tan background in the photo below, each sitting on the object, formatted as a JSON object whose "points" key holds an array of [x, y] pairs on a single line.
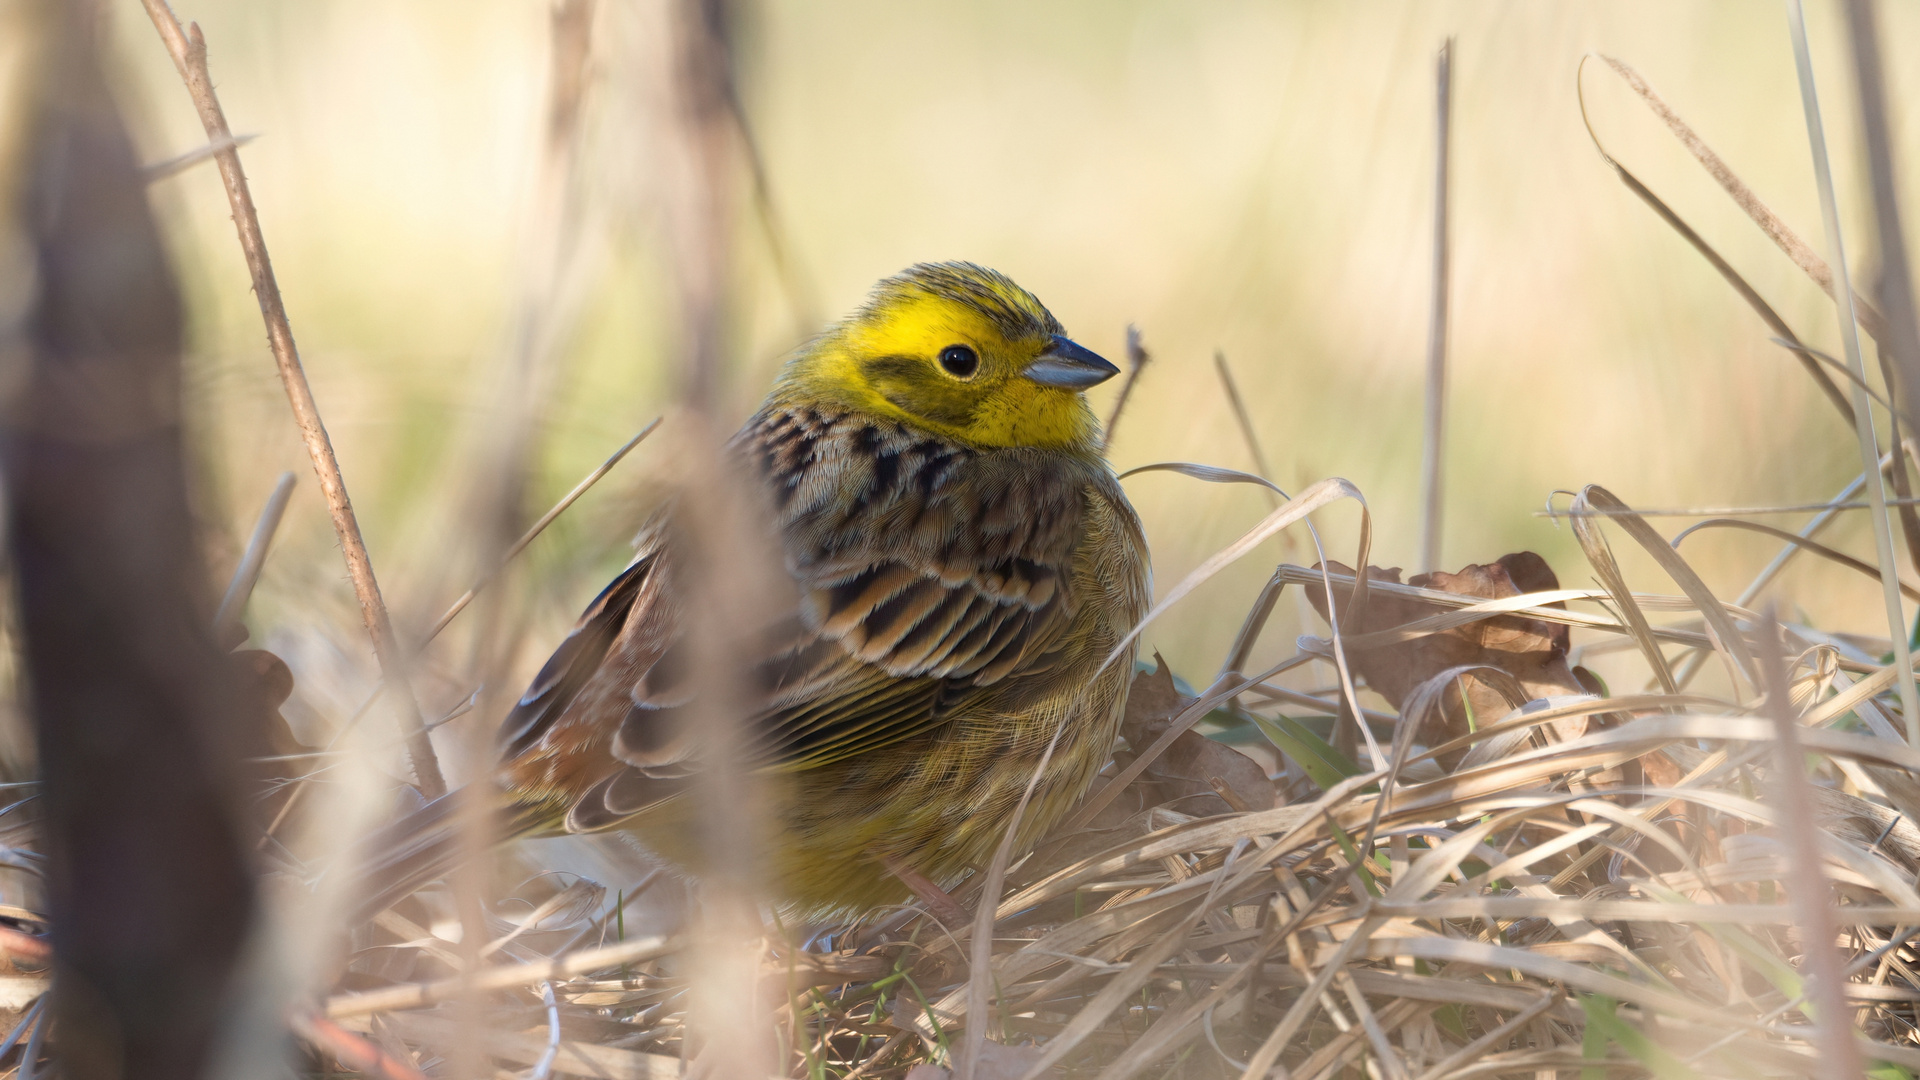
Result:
{"points": [[1252, 177]]}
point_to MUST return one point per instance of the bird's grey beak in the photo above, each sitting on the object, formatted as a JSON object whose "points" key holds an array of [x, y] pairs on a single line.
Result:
{"points": [[1064, 364]]}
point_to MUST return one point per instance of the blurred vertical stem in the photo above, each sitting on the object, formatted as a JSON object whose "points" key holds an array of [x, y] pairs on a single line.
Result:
{"points": [[726, 562], [140, 725], [1893, 291], [1862, 404], [1807, 887], [189, 52], [1437, 326]]}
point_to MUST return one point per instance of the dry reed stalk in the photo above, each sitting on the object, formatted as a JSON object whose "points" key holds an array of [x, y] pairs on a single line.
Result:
{"points": [[189, 52], [732, 571], [1900, 350], [1847, 309], [1430, 471], [1807, 886]]}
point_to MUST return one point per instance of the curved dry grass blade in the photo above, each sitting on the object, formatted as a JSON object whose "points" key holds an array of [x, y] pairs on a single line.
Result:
{"points": [[1255, 622], [1652, 601], [1838, 366], [1521, 720], [1743, 196], [1726, 636], [1677, 224], [1812, 546], [1422, 701], [1856, 696], [1212, 474], [1313, 498], [1478, 611]]}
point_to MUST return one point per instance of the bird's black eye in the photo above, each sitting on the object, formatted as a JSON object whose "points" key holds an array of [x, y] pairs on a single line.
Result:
{"points": [[960, 361]]}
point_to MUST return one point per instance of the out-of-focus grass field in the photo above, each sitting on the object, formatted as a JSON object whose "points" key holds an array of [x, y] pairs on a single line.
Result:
{"points": [[1252, 177]]}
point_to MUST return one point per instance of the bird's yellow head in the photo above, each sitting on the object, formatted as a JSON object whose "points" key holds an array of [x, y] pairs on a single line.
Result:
{"points": [[959, 350]]}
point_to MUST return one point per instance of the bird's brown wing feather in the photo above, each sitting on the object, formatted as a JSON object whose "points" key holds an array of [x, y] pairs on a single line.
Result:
{"points": [[927, 572]]}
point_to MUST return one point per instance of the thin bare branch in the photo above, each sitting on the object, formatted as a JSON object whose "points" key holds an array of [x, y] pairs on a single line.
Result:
{"points": [[1137, 359], [189, 51]]}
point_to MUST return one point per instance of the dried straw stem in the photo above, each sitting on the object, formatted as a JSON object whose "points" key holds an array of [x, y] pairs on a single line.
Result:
{"points": [[1849, 310], [415, 995], [1137, 358], [1807, 887], [189, 51], [1430, 498]]}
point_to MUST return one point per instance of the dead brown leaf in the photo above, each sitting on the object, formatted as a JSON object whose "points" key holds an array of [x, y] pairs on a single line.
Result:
{"points": [[1531, 650], [1205, 777]]}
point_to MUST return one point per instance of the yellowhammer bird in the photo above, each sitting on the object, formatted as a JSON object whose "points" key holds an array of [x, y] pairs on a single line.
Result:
{"points": [[965, 560]]}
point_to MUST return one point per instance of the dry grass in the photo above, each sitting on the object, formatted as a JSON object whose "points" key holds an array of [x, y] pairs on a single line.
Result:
{"points": [[1527, 910]]}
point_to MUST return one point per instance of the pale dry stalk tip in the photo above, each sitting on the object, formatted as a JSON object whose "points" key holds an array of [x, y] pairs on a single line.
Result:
{"points": [[1807, 887], [1430, 478], [247, 573]]}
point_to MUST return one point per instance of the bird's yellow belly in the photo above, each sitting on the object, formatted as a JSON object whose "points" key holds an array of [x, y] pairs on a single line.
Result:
{"points": [[939, 803]]}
